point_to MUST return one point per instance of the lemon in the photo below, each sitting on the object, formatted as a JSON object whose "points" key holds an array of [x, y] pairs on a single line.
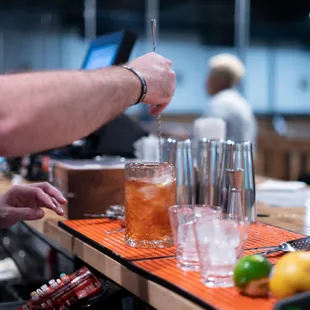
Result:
{"points": [[291, 275], [251, 275]]}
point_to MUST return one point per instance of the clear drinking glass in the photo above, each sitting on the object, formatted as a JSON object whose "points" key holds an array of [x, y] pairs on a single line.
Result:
{"points": [[182, 218], [220, 242], [150, 189]]}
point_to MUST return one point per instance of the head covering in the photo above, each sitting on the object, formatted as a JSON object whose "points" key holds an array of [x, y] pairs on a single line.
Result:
{"points": [[227, 64]]}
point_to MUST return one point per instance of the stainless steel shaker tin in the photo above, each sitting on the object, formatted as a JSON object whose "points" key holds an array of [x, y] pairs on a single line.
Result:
{"points": [[215, 159], [179, 153]]}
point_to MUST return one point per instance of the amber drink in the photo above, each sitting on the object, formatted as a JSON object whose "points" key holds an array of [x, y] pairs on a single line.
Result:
{"points": [[150, 189]]}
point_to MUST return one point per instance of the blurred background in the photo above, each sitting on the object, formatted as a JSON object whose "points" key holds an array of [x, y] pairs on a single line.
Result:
{"points": [[52, 34], [271, 37]]}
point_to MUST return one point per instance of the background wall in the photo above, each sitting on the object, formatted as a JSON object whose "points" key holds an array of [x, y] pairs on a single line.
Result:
{"points": [[278, 78]]}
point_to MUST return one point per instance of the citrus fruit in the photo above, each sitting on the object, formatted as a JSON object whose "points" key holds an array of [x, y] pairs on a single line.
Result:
{"points": [[291, 275], [251, 275]]}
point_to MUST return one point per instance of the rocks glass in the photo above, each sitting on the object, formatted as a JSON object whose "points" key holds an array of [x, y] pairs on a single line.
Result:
{"points": [[220, 242], [182, 219]]}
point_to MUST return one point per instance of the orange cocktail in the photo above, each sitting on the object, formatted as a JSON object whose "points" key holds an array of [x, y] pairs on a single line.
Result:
{"points": [[149, 192]]}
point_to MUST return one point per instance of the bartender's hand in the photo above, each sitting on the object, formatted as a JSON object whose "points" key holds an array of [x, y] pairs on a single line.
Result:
{"points": [[25, 203], [160, 80]]}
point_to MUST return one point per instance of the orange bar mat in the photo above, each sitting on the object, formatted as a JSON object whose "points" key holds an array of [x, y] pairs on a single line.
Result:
{"points": [[157, 266], [93, 232], [187, 284], [261, 235], [165, 272]]}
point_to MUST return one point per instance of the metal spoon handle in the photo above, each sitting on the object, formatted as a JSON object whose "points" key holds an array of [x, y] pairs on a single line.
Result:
{"points": [[153, 25], [159, 133], [111, 217], [260, 248], [114, 231], [276, 249]]}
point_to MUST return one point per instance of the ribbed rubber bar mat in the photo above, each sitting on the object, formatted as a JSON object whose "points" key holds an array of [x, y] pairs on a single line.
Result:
{"points": [[188, 284], [157, 266], [93, 232]]}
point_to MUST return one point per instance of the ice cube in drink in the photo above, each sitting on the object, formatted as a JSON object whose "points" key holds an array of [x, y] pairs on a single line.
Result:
{"points": [[146, 203]]}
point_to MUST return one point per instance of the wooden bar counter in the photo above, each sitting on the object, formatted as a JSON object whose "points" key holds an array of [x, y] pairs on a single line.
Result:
{"points": [[293, 218]]}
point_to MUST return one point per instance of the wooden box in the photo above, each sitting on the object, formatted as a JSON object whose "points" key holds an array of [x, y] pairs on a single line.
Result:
{"points": [[89, 186]]}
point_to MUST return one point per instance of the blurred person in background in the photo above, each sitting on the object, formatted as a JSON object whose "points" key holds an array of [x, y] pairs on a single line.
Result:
{"points": [[226, 72], [45, 110]]}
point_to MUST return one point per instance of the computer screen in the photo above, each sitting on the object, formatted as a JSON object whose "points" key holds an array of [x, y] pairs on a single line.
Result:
{"points": [[101, 57], [108, 50]]}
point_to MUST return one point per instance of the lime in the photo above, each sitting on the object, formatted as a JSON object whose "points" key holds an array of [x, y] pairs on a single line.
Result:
{"points": [[251, 275]]}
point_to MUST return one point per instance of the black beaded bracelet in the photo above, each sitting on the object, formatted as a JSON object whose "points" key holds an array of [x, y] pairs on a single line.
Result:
{"points": [[143, 83]]}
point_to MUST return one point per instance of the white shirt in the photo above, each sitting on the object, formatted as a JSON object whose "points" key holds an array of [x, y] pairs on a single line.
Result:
{"points": [[236, 112]]}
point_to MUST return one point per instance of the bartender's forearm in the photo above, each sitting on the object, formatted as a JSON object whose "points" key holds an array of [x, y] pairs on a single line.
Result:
{"points": [[40, 111]]}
